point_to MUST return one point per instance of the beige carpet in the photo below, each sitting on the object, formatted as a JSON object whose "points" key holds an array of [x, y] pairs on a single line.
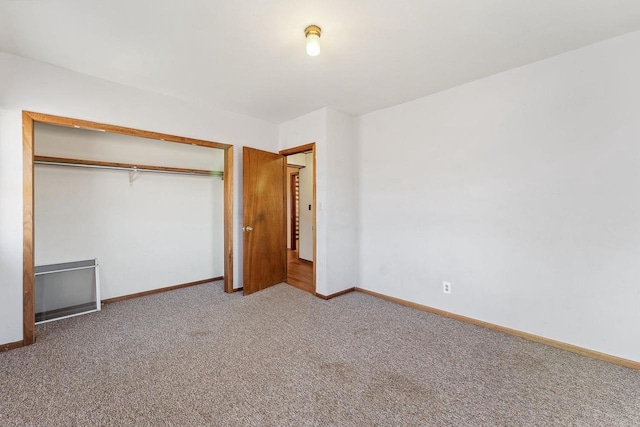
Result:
{"points": [[197, 356]]}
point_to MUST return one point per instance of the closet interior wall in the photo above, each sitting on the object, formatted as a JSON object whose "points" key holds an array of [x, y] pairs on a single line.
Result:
{"points": [[158, 230]]}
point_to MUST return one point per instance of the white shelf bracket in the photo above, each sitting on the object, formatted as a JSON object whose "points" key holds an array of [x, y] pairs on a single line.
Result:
{"points": [[133, 175]]}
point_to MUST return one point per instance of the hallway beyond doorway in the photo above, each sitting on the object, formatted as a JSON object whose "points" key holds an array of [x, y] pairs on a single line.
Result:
{"points": [[299, 272]]}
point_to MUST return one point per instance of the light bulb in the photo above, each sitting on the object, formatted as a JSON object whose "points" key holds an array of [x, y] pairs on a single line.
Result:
{"points": [[312, 33], [313, 45]]}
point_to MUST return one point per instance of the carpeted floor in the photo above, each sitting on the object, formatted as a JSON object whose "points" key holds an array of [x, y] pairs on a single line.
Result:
{"points": [[197, 357]]}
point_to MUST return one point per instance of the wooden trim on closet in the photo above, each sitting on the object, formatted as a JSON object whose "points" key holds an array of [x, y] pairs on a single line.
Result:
{"points": [[28, 266], [228, 220], [28, 119], [158, 291], [527, 336], [48, 159], [85, 124]]}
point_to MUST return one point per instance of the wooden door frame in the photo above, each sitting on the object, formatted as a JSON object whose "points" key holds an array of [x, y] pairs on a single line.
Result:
{"points": [[298, 150], [28, 276]]}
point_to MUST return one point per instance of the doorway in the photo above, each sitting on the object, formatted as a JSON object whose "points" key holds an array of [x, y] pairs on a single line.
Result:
{"points": [[263, 219], [265, 214], [301, 217], [28, 120]]}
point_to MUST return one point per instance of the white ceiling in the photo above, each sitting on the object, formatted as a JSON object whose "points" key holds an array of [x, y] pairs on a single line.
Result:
{"points": [[249, 56]]}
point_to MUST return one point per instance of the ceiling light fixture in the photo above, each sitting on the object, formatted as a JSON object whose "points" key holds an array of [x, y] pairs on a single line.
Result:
{"points": [[312, 33]]}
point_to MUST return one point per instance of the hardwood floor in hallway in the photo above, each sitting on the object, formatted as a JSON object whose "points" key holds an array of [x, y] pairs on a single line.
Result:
{"points": [[299, 272]]}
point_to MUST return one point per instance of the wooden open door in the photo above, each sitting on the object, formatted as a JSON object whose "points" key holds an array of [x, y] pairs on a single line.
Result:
{"points": [[264, 221]]}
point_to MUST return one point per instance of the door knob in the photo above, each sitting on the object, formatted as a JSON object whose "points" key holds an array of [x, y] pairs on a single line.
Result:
{"points": [[247, 228]]}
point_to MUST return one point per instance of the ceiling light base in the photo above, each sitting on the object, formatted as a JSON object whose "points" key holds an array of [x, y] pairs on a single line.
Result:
{"points": [[312, 30]]}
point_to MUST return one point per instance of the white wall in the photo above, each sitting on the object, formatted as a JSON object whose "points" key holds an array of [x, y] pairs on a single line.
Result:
{"points": [[305, 249], [521, 190], [29, 85], [297, 159], [312, 127], [86, 144], [10, 227], [341, 206], [159, 231], [336, 186]]}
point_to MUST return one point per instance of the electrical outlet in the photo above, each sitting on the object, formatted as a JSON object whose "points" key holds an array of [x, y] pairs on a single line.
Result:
{"points": [[446, 287]]}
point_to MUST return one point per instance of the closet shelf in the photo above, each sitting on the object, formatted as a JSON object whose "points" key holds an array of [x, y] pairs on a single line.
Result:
{"points": [[61, 161]]}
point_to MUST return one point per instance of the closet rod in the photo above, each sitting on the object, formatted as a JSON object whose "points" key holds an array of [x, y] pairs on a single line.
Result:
{"points": [[59, 161]]}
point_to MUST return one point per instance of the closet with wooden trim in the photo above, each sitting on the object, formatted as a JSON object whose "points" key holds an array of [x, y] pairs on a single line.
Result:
{"points": [[148, 213]]}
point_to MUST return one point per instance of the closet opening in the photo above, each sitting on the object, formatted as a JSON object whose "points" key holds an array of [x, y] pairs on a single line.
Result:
{"points": [[153, 197]]}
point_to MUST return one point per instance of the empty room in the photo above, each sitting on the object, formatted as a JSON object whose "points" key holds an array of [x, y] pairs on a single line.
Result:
{"points": [[292, 213]]}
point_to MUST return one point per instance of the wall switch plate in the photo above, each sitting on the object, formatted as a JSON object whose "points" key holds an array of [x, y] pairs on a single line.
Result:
{"points": [[446, 287]]}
